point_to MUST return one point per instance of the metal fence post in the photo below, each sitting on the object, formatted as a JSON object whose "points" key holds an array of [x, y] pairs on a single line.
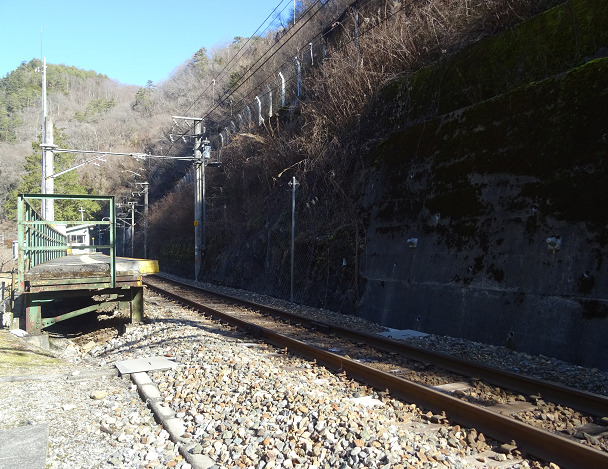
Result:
{"points": [[299, 74]]}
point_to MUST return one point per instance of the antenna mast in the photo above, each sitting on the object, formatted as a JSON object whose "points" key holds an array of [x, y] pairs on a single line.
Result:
{"points": [[43, 182]]}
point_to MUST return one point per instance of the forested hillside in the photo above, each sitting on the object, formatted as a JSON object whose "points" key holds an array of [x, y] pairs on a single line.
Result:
{"points": [[82, 105], [92, 112]]}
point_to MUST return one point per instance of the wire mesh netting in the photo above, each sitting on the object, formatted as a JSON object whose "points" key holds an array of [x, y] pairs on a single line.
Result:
{"points": [[295, 250]]}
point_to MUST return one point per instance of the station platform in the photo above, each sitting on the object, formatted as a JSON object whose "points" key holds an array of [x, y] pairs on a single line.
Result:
{"points": [[86, 271], [77, 284], [62, 273]]}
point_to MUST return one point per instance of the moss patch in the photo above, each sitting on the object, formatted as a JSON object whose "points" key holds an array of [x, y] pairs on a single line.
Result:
{"points": [[559, 39], [17, 357], [552, 132]]}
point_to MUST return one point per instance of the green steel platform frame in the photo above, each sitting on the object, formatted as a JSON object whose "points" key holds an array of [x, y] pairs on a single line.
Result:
{"points": [[41, 244]]}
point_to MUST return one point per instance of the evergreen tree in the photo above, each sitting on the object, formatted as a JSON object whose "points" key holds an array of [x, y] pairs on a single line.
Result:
{"points": [[7, 124], [143, 99], [95, 108], [200, 62]]}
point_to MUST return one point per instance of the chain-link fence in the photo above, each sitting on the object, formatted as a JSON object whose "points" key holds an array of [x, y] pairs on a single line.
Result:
{"points": [[296, 250]]}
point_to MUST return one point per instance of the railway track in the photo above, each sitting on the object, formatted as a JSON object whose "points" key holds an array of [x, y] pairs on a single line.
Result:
{"points": [[431, 376]]}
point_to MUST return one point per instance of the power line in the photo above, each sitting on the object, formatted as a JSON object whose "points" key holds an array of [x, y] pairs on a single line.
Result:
{"points": [[232, 91], [227, 65], [317, 38], [273, 45], [236, 55], [219, 100]]}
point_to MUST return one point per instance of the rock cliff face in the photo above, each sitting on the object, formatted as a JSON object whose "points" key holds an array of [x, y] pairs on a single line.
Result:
{"points": [[487, 206]]}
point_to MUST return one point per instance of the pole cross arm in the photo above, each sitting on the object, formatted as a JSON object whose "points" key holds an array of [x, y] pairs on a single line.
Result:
{"points": [[53, 176], [110, 153]]}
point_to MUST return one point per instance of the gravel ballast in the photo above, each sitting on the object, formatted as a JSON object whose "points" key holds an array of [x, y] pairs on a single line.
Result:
{"points": [[242, 404]]}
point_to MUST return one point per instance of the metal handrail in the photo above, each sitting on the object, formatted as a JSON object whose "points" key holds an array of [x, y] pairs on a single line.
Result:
{"points": [[39, 241]]}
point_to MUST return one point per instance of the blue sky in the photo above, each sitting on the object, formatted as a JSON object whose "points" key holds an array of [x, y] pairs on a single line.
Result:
{"points": [[131, 41]]}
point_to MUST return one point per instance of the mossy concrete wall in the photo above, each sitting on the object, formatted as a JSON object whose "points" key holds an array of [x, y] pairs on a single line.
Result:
{"points": [[480, 186]]}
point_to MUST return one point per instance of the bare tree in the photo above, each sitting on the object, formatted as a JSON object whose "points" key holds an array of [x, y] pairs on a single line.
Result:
{"points": [[7, 263]]}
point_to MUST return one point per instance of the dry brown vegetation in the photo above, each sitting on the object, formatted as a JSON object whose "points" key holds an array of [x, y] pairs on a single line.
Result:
{"points": [[393, 39], [317, 137], [395, 43]]}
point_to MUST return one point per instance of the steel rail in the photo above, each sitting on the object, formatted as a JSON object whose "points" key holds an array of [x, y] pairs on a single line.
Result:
{"points": [[536, 442], [583, 401]]}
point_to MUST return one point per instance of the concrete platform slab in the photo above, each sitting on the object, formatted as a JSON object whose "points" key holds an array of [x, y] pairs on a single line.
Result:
{"points": [[138, 365], [451, 387], [24, 447], [401, 334], [91, 264]]}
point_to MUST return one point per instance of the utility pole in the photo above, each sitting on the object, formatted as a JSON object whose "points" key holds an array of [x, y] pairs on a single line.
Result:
{"points": [[206, 155], [146, 185], [124, 229], [43, 181], [199, 194], [47, 208], [49, 169], [132, 204], [294, 184], [198, 201]]}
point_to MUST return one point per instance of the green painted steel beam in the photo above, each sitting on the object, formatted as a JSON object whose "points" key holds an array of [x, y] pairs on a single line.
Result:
{"points": [[46, 322], [48, 248], [76, 286], [66, 196]]}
